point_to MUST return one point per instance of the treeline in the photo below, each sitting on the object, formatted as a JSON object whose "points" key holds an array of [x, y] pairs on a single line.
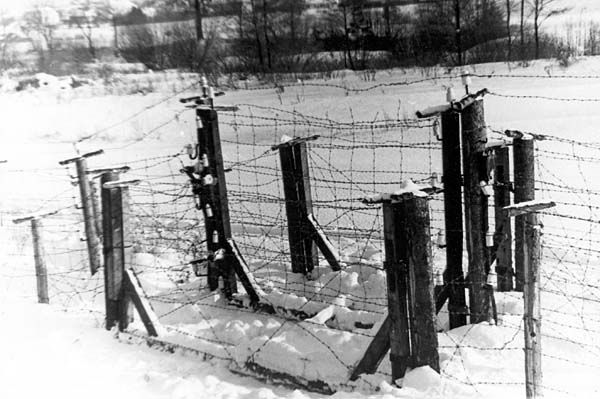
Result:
{"points": [[298, 36]]}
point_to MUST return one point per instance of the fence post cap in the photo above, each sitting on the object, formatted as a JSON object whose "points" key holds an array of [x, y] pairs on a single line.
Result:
{"points": [[408, 190]]}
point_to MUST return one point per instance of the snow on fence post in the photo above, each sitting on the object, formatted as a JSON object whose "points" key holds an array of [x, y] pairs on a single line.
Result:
{"points": [[213, 201], [524, 186], [532, 317], [91, 235], [452, 178], [409, 269], [476, 179], [503, 233]]}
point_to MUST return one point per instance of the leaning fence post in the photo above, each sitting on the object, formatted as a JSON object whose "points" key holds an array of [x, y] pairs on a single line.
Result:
{"points": [[91, 235], [524, 164], [411, 306], [503, 234], [532, 317], [476, 178], [452, 179]]}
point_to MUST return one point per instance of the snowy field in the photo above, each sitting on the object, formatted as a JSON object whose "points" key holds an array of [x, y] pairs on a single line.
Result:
{"points": [[349, 162]]}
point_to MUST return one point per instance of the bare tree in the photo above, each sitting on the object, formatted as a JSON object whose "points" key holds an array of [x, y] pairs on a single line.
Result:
{"points": [[509, 8], [40, 25], [542, 10], [88, 15], [522, 29], [7, 36]]}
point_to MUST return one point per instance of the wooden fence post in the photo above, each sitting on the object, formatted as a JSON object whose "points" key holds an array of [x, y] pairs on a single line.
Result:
{"points": [[113, 265], [213, 201], [298, 204], [122, 289], [532, 316], [96, 204], [411, 306], [91, 235], [92, 240], [304, 232], [452, 178], [503, 233], [209, 186], [417, 242], [524, 186], [476, 177], [41, 273]]}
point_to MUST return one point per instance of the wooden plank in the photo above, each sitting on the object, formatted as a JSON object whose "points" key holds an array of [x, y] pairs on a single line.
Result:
{"points": [[415, 249], [524, 182], [134, 291], [300, 264], [375, 352], [302, 180], [474, 137], [243, 272], [453, 219], [323, 243], [298, 205], [503, 234], [524, 208], [397, 287]]}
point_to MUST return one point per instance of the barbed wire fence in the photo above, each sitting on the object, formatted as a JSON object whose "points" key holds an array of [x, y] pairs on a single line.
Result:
{"points": [[350, 161]]}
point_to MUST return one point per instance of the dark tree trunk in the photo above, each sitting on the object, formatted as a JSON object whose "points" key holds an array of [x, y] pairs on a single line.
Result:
{"points": [[508, 12], [259, 49]]}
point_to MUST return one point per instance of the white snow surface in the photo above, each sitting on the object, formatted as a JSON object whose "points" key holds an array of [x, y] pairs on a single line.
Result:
{"points": [[70, 355]]}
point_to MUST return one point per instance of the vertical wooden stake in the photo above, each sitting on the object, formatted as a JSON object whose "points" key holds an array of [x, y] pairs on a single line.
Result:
{"points": [[411, 306], [453, 276], [92, 240], [298, 205], [474, 138], [214, 197], [503, 234], [524, 164], [532, 316], [112, 268], [41, 272], [397, 282], [417, 242], [96, 204]]}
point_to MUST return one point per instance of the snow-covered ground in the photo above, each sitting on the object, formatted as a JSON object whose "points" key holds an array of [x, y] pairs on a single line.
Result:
{"points": [[148, 131]]}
